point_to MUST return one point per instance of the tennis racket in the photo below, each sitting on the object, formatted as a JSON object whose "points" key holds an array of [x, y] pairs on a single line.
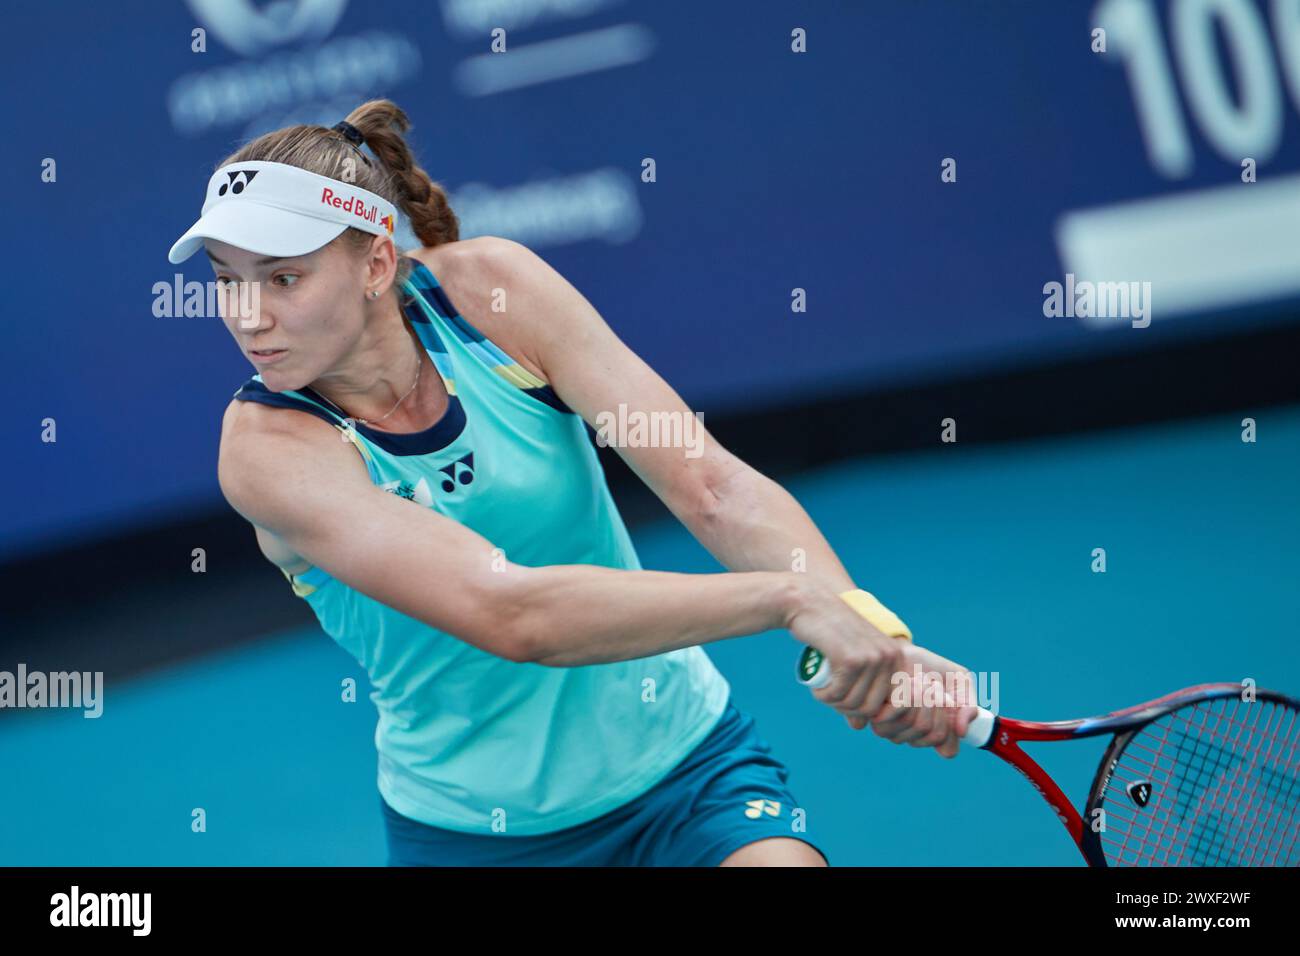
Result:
{"points": [[1199, 777]]}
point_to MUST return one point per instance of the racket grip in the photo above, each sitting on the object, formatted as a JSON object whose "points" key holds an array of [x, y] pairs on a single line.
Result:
{"points": [[814, 668], [815, 671], [980, 729]]}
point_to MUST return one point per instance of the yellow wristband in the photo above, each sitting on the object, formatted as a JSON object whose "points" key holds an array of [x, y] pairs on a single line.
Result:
{"points": [[879, 616]]}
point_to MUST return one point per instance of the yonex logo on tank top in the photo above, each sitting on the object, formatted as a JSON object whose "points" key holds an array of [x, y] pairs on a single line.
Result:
{"points": [[461, 470]]}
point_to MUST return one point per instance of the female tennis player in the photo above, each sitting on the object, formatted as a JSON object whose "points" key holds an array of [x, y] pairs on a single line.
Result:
{"points": [[413, 456]]}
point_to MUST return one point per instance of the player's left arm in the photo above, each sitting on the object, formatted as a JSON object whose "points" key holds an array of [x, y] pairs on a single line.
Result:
{"points": [[747, 521]]}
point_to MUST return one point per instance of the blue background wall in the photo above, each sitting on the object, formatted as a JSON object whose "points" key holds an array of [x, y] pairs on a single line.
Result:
{"points": [[775, 171]]}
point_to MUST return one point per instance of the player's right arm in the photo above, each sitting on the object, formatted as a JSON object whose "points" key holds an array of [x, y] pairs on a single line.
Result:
{"points": [[299, 478]]}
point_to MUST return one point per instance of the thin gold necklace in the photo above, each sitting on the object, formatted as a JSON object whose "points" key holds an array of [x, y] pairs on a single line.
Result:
{"points": [[419, 367]]}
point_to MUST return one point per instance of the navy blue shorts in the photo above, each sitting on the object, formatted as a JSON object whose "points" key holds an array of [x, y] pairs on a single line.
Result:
{"points": [[727, 793]]}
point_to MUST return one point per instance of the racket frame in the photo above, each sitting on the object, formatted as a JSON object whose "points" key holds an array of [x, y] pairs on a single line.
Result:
{"points": [[1008, 733]]}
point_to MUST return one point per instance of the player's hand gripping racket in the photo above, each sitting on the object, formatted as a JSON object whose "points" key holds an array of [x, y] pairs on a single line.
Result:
{"points": [[1198, 777]]}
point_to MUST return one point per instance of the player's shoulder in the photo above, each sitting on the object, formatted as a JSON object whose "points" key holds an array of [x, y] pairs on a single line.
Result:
{"points": [[254, 421], [266, 443], [470, 269], [468, 260]]}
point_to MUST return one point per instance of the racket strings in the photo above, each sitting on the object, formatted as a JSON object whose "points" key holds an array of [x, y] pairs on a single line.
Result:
{"points": [[1202, 763], [1199, 811], [1212, 783]]}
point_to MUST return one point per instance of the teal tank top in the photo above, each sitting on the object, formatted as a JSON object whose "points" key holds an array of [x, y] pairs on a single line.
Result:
{"points": [[467, 739]]}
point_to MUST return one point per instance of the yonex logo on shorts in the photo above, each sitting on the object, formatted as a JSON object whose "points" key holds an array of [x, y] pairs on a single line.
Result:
{"points": [[756, 808]]}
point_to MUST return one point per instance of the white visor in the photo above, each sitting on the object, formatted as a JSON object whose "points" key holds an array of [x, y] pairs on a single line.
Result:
{"points": [[278, 210]]}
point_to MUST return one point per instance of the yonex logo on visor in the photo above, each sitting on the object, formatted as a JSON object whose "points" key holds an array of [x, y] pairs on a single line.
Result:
{"points": [[239, 178]]}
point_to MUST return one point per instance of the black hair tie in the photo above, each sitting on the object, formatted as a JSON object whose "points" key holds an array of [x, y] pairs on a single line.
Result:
{"points": [[353, 136], [350, 131]]}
